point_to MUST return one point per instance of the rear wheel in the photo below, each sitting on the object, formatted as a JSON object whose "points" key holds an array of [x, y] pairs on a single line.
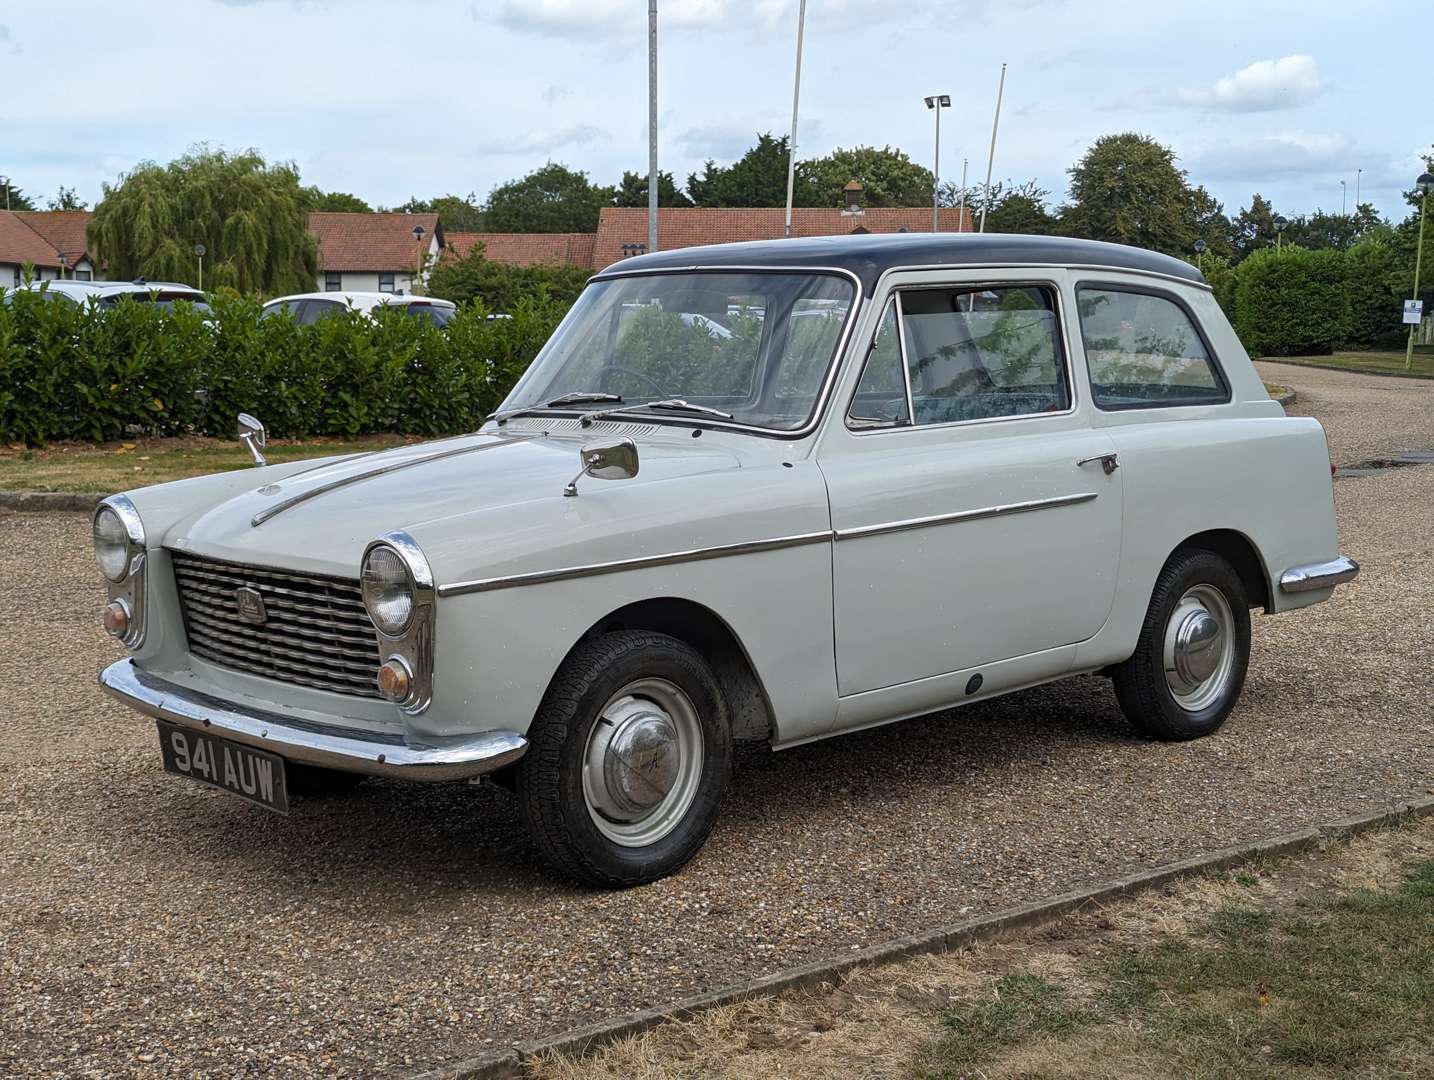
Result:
{"points": [[1189, 664], [627, 760]]}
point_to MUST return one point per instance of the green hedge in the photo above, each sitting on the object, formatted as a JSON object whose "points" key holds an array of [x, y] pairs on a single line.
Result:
{"points": [[68, 372], [1295, 301]]}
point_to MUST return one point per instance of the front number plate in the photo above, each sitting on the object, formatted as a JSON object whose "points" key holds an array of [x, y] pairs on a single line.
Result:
{"points": [[251, 774]]}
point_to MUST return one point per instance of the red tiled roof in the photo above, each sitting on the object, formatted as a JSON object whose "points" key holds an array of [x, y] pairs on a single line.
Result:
{"points": [[680, 227], [63, 230], [371, 241], [20, 244], [528, 249]]}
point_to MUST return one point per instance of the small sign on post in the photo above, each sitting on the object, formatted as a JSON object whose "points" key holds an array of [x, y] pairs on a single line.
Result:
{"points": [[1413, 312]]}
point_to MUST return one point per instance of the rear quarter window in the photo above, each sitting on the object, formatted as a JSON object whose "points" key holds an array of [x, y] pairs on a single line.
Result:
{"points": [[1144, 350]]}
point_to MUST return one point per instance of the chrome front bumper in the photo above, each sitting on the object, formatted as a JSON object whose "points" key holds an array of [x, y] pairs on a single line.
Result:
{"points": [[1325, 575], [300, 741]]}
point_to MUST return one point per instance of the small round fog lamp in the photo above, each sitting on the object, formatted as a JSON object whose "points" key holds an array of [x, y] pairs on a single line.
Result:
{"points": [[395, 681], [117, 618]]}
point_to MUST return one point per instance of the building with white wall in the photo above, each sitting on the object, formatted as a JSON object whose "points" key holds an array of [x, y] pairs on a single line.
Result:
{"points": [[375, 252]]}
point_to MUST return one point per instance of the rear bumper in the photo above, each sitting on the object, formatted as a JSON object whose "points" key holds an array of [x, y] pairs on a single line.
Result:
{"points": [[1325, 575], [300, 741]]}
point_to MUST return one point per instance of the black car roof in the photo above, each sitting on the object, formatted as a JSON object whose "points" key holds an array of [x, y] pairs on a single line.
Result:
{"points": [[869, 256]]}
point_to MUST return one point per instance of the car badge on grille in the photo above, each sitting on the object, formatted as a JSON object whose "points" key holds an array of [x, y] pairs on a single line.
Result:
{"points": [[250, 605]]}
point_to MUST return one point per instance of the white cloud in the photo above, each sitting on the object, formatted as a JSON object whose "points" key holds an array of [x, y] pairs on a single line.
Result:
{"points": [[1264, 86], [543, 142], [1290, 153]]}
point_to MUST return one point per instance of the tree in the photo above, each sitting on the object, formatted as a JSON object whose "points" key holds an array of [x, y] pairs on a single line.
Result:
{"points": [[889, 177], [1127, 189], [757, 178], [12, 198], [1015, 208], [632, 191], [1253, 227], [459, 213], [340, 202], [66, 199], [501, 286], [249, 215], [551, 199], [1340, 231]]}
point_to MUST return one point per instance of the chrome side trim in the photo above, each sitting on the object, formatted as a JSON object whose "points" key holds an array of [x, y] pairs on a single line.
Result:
{"points": [[965, 515], [721, 551], [307, 743], [333, 485], [1325, 575]]}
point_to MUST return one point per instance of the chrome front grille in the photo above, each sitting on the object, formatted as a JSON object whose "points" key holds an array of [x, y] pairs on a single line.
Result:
{"points": [[309, 630]]}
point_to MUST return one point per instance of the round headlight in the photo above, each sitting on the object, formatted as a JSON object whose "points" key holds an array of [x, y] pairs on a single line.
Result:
{"points": [[387, 590], [111, 544]]}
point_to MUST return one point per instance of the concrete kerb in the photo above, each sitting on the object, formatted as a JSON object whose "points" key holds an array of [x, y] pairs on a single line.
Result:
{"points": [[509, 1061], [1348, 370], [51, 501]]}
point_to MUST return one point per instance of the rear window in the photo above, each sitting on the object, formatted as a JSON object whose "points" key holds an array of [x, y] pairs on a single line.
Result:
{"points": [[439, 316], [1144, 351]]}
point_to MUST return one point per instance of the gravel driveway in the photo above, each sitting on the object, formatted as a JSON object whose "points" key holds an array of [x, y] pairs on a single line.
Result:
{"points": [[151, 927]]}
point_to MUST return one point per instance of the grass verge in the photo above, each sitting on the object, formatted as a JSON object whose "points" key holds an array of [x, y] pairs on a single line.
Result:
{"points": [[1384, 363], [109, 467], [1316, 965]]}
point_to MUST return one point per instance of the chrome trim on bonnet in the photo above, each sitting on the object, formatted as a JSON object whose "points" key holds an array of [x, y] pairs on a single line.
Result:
{"points": [[323, 489], [1325, 575], [304, 742], [964, 515], [720, 551]]}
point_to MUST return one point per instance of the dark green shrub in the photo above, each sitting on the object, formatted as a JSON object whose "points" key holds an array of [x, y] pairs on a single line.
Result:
{"points": [[68, 372], [1291, 302], [1371, 278]]}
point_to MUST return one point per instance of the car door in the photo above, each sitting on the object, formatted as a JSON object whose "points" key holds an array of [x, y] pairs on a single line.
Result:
{"points": [[976, 514]]}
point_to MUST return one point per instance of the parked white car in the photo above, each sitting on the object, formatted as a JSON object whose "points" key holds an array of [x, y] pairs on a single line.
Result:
{"points": [[306, 308], [107, 294], [920, 471]]}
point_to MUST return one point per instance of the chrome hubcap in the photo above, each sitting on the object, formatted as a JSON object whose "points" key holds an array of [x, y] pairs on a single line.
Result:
{"points": [[1199, 648], [643, 762]]}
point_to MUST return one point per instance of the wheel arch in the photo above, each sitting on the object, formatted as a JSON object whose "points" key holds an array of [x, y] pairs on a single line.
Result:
{"points": [[748, 706], [1240, 552]]}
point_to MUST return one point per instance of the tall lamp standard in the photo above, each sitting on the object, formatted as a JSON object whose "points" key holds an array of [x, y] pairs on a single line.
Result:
{"points": [[1357, 174], [1279, 224], [936, 103], [199, 250], [1200, 255], [418, 241], [1343, 199], [1424, 185]]}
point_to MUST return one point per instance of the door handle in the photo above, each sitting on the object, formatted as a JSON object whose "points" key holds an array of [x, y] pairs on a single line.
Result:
{"points": [[1108, 462]]}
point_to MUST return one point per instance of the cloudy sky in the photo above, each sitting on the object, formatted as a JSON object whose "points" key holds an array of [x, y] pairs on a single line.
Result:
{"points": [[421, 97]]}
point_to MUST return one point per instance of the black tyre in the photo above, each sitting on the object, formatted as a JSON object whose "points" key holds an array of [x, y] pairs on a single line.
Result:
{"points": [[313, 782], [1194, 648], [627, 760]]}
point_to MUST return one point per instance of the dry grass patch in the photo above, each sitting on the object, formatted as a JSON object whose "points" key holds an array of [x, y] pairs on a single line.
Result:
{"points": [[1311, 966]]}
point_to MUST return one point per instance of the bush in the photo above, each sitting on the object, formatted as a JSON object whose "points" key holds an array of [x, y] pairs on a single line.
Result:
{"points": [[1371, 280], [500, 285], [68, 372], [1292, 302]]}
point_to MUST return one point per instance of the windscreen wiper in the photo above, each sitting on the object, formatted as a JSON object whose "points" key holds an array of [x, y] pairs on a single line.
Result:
{"points": [[580, 397], [673, 404]]}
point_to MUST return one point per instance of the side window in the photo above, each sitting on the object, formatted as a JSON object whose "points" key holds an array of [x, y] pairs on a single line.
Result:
{"points": [[385, 282], [1143, 351], [880, 399], [314, 310], [983, 352], [333, 281]]}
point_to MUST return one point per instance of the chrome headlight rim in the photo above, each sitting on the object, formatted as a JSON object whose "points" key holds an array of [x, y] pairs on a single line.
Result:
{"points": [[119, 508], [412, 646], [387, 587]]}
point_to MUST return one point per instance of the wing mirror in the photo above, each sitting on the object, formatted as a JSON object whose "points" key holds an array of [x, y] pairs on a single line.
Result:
{"points": [[251, 434], [615, 460]]}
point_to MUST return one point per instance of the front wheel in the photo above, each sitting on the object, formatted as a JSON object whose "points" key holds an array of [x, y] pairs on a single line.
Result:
{"points": [[1189, 664], [627, 760]]}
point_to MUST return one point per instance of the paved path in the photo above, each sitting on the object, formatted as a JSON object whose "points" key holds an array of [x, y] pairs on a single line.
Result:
{"points": [[151, 927]]}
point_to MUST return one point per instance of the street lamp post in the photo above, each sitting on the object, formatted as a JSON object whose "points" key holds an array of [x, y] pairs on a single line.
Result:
{"points": [[1357, 174], [1424, 185], [937, 102], [418, 270], [199, 250], [1200, 255], [796, 104], [1279, 224], [1343, 199]]}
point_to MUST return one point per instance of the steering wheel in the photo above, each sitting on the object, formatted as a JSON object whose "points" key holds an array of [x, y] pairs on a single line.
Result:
{"points": [[602, 382]]}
